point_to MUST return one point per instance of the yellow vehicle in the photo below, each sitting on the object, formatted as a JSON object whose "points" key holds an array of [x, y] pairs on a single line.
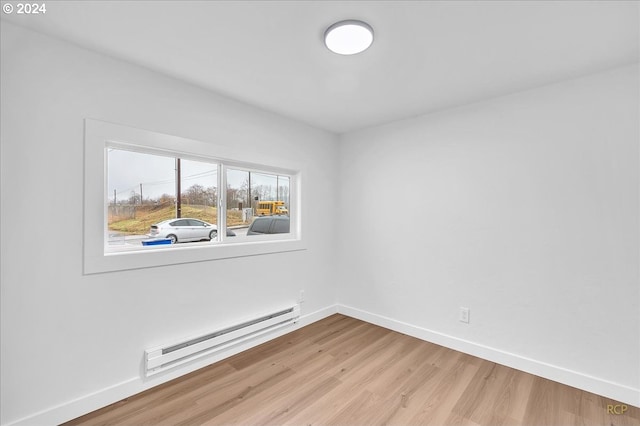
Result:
{"points": [[266, 208]]}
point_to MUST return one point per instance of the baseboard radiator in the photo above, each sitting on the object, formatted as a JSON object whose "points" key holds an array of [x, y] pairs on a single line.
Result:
{"points": [[169, 356]]}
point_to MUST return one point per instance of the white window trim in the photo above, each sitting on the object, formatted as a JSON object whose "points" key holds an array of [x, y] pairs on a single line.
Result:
{"points": [[99, 135]]}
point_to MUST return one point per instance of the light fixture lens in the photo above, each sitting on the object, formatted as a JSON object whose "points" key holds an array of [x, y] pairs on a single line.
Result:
{"points": [[348, 37]]}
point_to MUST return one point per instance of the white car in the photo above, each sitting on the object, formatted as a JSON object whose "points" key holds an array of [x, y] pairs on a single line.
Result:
{"points": [[185, 229]]}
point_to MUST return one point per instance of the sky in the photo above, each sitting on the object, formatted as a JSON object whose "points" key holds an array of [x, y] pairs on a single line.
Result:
{"points": [[127, 170]]}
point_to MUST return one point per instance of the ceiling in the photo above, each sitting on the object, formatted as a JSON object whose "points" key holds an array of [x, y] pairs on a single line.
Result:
{"points": [[426, 55]]}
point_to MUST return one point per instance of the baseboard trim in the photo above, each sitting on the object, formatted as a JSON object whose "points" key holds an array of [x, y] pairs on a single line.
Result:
{"points": [[101, 398], [615, 391]]}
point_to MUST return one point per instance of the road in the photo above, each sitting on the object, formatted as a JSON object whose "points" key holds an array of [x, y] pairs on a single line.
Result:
{"points": [[116, 239]]}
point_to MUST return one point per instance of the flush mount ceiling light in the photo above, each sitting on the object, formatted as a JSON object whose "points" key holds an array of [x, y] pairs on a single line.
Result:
{"points": [[348, 37]]}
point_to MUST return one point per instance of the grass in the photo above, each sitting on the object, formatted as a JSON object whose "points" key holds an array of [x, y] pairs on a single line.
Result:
{"points": [[145, 216]]}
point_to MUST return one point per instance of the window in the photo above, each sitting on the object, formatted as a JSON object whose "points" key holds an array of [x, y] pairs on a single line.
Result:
{"points": [[153, 199], [149, 190]]}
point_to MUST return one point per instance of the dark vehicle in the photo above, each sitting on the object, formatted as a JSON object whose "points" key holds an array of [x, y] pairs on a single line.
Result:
{"points": [[185, 229], [269, 225]]}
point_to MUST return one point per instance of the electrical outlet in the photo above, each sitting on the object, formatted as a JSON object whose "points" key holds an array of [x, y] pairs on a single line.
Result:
{"points": [[301, 297], [464, 315]]}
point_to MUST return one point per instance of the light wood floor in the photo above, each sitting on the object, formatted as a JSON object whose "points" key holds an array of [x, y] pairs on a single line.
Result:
{"points": [[342, 371]]}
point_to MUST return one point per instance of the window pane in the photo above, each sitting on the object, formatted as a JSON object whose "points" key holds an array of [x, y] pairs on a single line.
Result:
{"points": [[142, 194], [253, 194]]}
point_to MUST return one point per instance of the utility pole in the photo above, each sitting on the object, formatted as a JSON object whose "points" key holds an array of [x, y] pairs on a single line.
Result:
{"points": [[178, 190], [114, 197], [141, 194], [249, 198]]}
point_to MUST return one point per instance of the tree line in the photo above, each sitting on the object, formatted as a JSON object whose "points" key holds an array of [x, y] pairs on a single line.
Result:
{"points": [[197, 194]]}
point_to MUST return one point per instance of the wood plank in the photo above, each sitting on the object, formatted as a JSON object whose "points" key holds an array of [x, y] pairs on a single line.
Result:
{"points": [[439, 399]]}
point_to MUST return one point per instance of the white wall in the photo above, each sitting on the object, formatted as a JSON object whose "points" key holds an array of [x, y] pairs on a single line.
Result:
{"points": [[68, 336], [522, 208]]}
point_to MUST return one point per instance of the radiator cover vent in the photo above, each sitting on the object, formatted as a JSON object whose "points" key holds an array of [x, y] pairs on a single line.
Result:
{"points": [[169, 356]]}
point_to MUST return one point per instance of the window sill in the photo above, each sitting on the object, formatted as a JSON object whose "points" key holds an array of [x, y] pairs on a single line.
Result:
{"points": [[154, 256]]}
